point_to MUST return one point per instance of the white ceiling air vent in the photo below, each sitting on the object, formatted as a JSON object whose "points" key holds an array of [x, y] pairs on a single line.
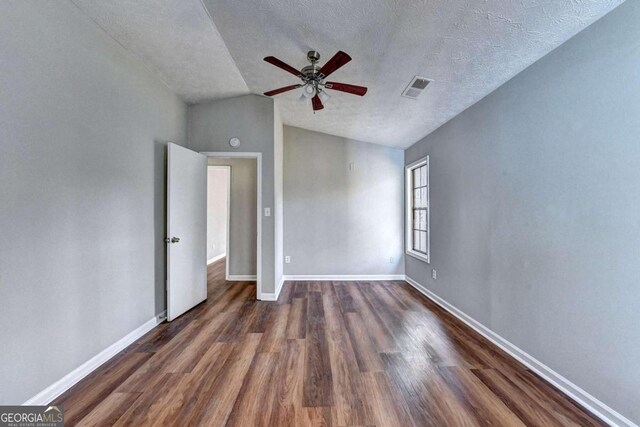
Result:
{"points": [[416, 87]]}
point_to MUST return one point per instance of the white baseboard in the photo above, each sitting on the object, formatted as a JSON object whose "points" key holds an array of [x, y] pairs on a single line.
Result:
{"points": [[50, 393], [216, 258], [241, 278], [345, 277], [590, 403], [274, 296]]}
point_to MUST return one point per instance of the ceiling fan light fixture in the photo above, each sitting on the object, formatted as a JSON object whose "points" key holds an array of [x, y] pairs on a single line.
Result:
{"points": [[308, 91], [324, 96]]}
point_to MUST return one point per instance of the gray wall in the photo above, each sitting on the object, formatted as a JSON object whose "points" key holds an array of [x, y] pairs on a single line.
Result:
{"points": [[340, 221], [82, 165], [217, 207], [251, 119], [241, 254], [535, 195]]}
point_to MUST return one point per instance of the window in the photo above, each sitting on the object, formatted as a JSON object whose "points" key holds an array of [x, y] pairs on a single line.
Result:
{"points": [[418, 210]]}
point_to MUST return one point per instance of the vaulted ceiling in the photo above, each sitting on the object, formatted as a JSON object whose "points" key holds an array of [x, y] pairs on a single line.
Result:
{"points": [[210, 49], [177, 40]]}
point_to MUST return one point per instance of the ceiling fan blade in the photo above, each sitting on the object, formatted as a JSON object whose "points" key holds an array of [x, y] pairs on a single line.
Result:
{"points": [[338, 60], [344, 87], [275, 61], [282, 89], [317, 103]]}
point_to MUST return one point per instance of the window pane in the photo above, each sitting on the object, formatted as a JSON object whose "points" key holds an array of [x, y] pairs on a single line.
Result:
{"points": [[416, 220], [426, 220], [417, 178], [417, 201], [416, 240], [423, 174], [423, 242], [423, 197], [423, 220]]}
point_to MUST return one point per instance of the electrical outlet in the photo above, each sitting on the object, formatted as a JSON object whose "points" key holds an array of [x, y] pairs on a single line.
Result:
{"points": [[391, 260], [352, 167], [267, 211], [434, 276], [287, 259]]}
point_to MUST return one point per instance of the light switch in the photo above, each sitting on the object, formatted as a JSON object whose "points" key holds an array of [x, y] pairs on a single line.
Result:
{"points": [[287, 259], [267, 211]]}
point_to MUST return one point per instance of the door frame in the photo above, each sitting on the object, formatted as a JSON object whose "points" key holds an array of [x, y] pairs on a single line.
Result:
{"points": [[258, 157]]}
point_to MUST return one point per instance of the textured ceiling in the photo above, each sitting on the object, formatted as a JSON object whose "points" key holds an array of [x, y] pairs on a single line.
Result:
{"points": [[468, 47], [176, 39]]}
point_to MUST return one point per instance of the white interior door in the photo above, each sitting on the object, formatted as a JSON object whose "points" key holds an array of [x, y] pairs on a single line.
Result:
{"points": [[186, 230]]}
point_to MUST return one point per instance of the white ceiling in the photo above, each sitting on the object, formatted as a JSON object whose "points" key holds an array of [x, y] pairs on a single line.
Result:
{"points": [[176, 39], [468, 47]]}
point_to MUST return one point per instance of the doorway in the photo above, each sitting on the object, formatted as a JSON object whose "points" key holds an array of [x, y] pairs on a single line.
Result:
{"points": [[218, 212], [235, 217]]}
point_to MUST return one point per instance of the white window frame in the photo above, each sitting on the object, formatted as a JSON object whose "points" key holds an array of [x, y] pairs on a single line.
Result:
{"points": [[409, 211]]}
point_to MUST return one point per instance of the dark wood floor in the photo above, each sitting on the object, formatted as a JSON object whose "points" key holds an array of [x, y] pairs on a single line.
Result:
{"points": [[327, 353]]}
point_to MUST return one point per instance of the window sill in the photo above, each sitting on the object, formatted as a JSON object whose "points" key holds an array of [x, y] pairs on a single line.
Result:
{"points": [[419, 256]]}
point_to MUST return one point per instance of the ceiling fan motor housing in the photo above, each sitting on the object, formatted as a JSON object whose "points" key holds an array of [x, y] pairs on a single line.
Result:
{"points": [[310, 70]]}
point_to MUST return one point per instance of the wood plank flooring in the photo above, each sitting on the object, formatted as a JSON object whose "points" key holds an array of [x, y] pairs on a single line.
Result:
{"points": [[325, 354]]}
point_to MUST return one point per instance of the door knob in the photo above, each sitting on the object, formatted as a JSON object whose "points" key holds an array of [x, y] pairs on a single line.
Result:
{"points": [[172, 240]]}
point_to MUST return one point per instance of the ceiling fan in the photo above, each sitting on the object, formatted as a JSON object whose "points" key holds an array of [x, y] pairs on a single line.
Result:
{"points": [[313, 78]]}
